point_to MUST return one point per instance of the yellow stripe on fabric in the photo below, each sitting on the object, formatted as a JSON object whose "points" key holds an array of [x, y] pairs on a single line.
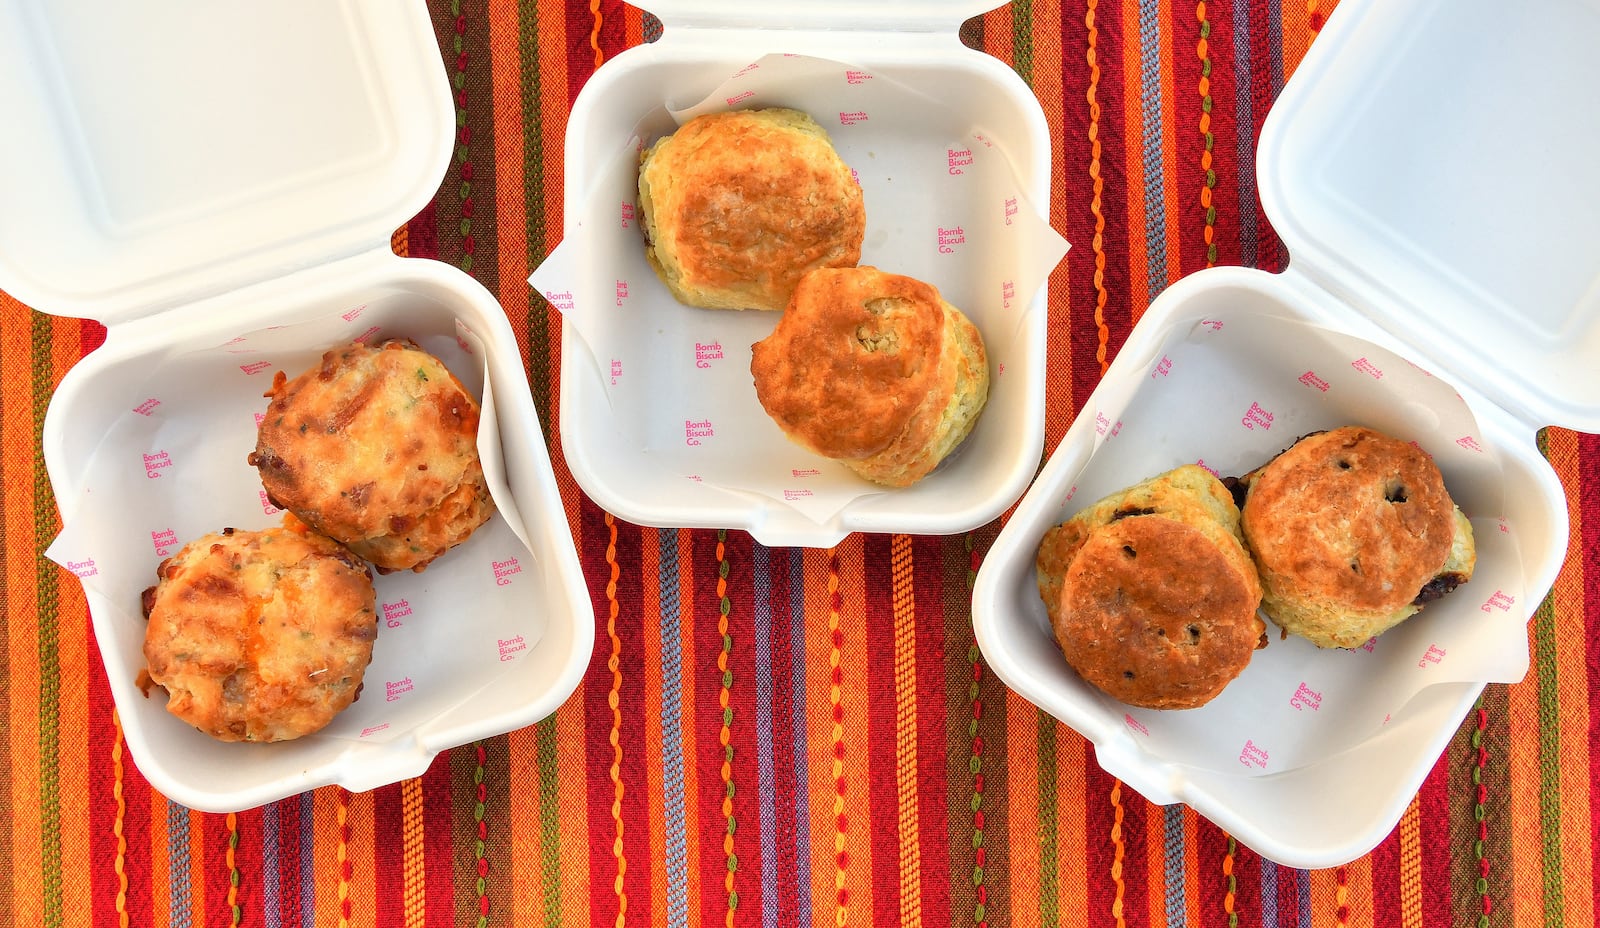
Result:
{"points": [[1021, 804], [905, 728], [1572, 633], [362, 855], [652, 910], [1410, 867]]}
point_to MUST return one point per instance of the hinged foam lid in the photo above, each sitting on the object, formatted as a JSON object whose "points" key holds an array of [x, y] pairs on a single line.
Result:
{"points": [[155, 153], [1433, 163], [885, 15]]}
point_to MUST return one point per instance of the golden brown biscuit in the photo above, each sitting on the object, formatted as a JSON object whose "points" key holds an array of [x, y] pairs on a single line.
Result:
{"points": [[874, 370], [1151, 594], [737, 205], [260, 636], [376, 447], [1353, 531]]}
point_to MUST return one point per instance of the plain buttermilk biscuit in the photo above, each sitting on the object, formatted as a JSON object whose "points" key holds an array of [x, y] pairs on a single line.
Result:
{"points": [[1151, 594], [873, 370], [738, 205], [376, 447], [260, 636], [1353, 532]]}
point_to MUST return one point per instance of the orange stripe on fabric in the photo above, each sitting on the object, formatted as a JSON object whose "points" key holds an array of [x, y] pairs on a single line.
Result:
{"points": [[523, 830], [653, 743], [1410, 888], [1155, 864], [327, 881], [413, 862], [1073, 880], [362, 854], [836, 640], [1297, 17], [1118, 850], [997, 35], [511, 227], [1097, 184], [614, 701], [120, 864], [905, 718], [1045, 25], [1572, 632], [1021, 804], [575, 825]]}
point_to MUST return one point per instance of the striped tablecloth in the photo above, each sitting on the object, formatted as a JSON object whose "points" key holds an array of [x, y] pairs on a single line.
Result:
{"points": [[782, 737]]}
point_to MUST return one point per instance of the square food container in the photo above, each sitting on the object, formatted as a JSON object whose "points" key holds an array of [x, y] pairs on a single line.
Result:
{"points": [[642, 450], [192, 176], [1386, 166]]}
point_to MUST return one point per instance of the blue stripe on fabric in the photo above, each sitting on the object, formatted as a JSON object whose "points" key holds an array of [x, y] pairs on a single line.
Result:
{"points": [[1244, 116], [797, 665], [271, 887], [1173, 865], [178, 864], [672, 798], [1269, 892], [1155, 204], [766, 788]]}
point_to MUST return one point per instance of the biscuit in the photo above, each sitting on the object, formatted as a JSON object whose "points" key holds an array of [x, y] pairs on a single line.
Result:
{"points": [[736, 206], [1353, 531], [376, 447], [260, 636], [1151, 594], [874, 370]]}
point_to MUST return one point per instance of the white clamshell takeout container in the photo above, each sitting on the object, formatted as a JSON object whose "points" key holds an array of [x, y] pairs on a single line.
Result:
{"points": [[1418, 227], [205, 180], [630, 424]]}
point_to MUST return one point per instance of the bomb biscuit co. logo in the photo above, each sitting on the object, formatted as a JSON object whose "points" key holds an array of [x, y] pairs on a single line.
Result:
{"points": [[266, 504], [616, 370], [1313, 381], [695, 430], [1500, 600], [950, 238], [562, 300], [805, 472], [505, 570], [851, 118], [957, 160], [1135, 724], [856, 77], [510, 647], [83, 568], [1253, 755], [394, 689], [155, 463], [704, 354], [1163, 368], [622, 291], [1432, 656], [366, 336], [394, 612], [1368, 368], [1011, 209], [1305, 698], [739, 98], [148, 407], [793, 495], [1256, 416], [1008, 292], [627, 214], [256, 367], [164, 541]]}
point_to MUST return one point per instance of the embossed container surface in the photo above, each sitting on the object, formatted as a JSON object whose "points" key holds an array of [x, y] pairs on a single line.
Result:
{"points": [[187, 175], [630, 457], [1377, 171]]}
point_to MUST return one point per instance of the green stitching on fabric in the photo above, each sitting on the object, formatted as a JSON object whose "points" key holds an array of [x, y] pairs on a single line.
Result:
{"points": [[1545, 664], [544, 736], [1049, 905], [49, 609], [537, 360], [1022, 39]]}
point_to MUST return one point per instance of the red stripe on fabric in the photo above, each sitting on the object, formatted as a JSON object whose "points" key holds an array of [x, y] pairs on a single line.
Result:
{"points": [[708, 715], [883, 808], [1099, 849], [613, 28], [103, 881], [290, 848], [786, 785], [635, 760], [90, 336], [1189, 179], [247, 859], [580, 55], [1079, 218], [1588, 520], [438, 843], [1247, 878], [213, 875], [1386, 881], [422, 233], [1224, 132], [1136, 820], [1433, 814], [388, 878], [746, 762], [933, 787], [1211, 849]]}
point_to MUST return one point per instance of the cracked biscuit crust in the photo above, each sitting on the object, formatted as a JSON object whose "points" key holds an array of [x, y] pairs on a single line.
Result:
{"points": [[873, 370], [376, 447], [260, 636]]}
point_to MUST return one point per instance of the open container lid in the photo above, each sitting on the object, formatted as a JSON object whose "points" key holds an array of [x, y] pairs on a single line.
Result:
{"points": [[144, 163], [1458, 209]]}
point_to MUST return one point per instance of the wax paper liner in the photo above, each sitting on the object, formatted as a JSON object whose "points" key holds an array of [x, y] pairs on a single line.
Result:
{"points": [[943, 204], [1230, 392], [173, 468]]}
